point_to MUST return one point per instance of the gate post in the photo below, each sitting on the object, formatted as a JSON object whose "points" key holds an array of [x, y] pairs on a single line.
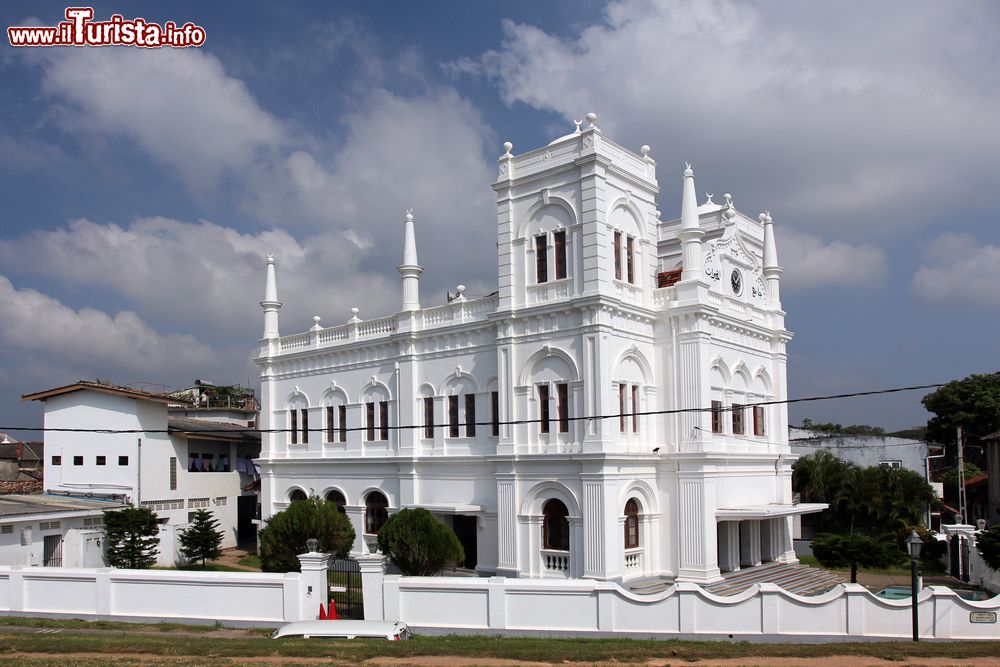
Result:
{"points": [[372, 576], [313, 585]]}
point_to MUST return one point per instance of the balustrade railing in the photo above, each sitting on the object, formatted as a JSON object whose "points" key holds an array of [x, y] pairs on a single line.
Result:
{"points": [[555, 561]]}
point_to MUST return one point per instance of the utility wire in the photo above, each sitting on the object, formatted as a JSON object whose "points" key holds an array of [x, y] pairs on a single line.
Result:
{"points": [[556, 420]]}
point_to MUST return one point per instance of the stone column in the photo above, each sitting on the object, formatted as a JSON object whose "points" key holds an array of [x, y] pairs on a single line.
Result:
{"points": [[356, 514], [750, 543], [313, 586], [729, 546]]}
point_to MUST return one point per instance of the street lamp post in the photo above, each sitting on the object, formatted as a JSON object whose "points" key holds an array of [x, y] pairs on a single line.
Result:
{"points": [[913, 545]]}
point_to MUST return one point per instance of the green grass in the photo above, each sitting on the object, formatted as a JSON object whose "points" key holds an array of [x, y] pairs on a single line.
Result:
{"points": [[250, 561], [122, 646]]}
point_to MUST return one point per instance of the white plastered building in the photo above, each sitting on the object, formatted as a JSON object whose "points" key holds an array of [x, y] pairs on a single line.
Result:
{"points": [[611, 380], [107, 441]]}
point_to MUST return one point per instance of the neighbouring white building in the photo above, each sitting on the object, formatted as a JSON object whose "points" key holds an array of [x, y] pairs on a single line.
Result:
{"points": [[596, 417], [104, 441], [52, 530]]}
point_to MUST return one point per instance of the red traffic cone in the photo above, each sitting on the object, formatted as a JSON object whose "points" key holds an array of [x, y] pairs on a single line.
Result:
{"points": [[322, 612], [333, 611]]}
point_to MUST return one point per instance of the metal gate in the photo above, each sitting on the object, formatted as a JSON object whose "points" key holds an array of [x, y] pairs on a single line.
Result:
{"points": [[344, 577], [52, 551]]}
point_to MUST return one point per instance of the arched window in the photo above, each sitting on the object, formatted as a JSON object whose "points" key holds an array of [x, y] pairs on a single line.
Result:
{"points": [[297, 495], [555, 526], [336, 497], [631, 524], [376, 512]]}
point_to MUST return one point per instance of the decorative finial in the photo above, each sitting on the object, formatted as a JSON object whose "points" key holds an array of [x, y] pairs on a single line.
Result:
{"points": [[657, 215], [592, 119], [767, 214], [409, 215], [708, 198], [687, 170], [507, 146], [354, 315], [460, 289], [578, 123], [316, 325], [730, 211], [644, 149], [270, 258]]}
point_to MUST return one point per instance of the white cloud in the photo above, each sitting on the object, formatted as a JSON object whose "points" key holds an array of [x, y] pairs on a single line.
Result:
{"points": [[422, 152], [960, 270], [207, 276], [38, 325], [808, 261], [865, 125], [179, 105]]}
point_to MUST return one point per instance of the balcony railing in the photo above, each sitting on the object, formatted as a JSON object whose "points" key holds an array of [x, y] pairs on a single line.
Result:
{"points": [[555, 562], [458, 311]]}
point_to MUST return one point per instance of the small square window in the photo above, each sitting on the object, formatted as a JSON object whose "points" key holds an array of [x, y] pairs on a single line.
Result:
{"points": [[57, 460], [123, 460], [78, 460], [102, 460]]}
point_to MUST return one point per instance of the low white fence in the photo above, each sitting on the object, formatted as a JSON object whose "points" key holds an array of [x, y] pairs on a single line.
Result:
{"points": [[530, 606], [232, 598]]}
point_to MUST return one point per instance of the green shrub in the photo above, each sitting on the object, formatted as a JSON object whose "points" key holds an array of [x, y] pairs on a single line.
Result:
{"points": [[284, 537], [988, 543], [202, 539], [419, 544]]}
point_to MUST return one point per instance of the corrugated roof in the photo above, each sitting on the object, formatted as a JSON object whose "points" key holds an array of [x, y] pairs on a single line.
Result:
{"points": [[20, 505], [207, 428]]}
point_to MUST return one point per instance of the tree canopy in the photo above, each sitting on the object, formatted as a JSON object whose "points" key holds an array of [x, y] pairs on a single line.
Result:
{"points": [[419, 544], [284, 537], [837, 429], [972, 403], [877, 503], [131, 537], [202, 539]]}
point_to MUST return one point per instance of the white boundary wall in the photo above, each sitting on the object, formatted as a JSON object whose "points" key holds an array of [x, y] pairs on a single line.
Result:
{"points": [[531, 606], [235, 598]]}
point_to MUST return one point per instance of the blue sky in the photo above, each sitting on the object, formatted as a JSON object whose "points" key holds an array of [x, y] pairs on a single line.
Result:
{"points": [[142, 188]]}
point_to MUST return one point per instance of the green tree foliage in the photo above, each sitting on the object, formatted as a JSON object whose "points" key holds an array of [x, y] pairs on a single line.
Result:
{"points": [[877, 503], [988, 543], [972, 403], [856, 551], [419, 544], [950, 477], [837, 429], [284, 537], [202, 539], [131, 537]]}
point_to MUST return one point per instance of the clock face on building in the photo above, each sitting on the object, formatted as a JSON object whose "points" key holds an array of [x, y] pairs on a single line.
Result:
{"points": [[736, 280]]}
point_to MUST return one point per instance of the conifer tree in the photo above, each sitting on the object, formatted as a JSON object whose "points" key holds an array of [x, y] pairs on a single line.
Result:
{"points": [[202, 539], [131, 536]]}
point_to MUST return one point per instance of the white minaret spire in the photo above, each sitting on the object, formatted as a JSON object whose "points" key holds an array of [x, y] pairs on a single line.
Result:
{"points": [[410, 269], [771, 270], [691, 232], [270, 304]]}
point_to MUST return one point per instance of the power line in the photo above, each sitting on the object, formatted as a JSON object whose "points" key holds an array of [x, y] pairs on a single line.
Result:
{"points": [[399, 427]]}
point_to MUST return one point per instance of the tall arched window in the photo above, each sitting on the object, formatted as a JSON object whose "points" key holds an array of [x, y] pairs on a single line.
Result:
{"points": [[376, 512], [336, 497], [555, 525], [297, 495], [631, 524]]}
